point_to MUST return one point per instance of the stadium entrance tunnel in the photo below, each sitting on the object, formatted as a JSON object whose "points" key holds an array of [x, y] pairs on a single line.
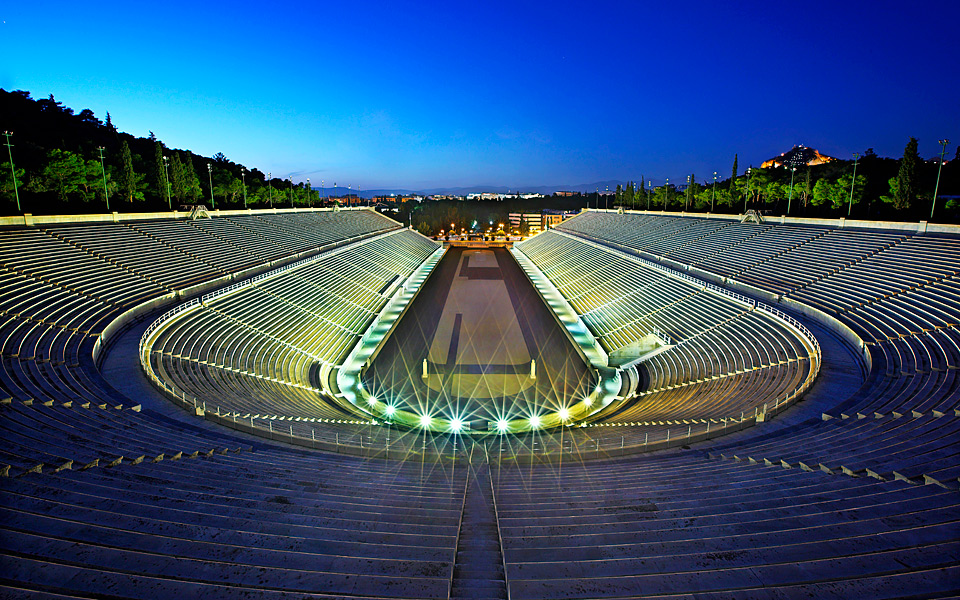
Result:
{"points": [[478, 352]]}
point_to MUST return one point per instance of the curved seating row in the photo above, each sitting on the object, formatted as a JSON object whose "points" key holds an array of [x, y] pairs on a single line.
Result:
{"points": [[900, 293], [253, 351], [727, 358], [689, 526]]}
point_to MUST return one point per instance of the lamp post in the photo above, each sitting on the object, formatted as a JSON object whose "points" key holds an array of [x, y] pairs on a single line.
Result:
{"points": [[309, 194], [166, 171], [666, 194], [213, 202], [853, 182], [270, 188], [713, 198], [103, 172], [746, 193], [793, 171], [13, 171], [606, 199], [943, 149], [650, 193], [243, 179], [686, 196]]}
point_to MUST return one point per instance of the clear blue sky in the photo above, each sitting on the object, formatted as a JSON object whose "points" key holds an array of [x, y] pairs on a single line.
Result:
{"points": [[420, 94]]}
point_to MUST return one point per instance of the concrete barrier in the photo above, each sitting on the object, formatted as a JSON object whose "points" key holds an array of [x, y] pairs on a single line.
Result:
{"points": [[31, 220], [920, 227]]}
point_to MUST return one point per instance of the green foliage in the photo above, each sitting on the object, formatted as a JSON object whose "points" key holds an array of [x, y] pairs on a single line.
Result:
{"points": [[903, 188], [64, 173], [7, 183], [130, 183], [159, 172], [733, 191], [836, 194], [191, 182], [178, 184]]}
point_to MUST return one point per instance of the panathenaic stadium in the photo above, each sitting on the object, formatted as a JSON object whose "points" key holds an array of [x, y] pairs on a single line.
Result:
{"points": [[326, 404]]}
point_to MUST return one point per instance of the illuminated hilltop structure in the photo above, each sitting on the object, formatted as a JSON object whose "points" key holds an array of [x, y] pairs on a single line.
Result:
{"points": [[798, 156]]}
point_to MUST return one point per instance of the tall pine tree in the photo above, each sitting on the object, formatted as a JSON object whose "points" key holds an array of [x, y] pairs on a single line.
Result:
{"points": [[906, 187], [128, 177], [178, 187], [159, 173], [733, 181], [191, 181]]}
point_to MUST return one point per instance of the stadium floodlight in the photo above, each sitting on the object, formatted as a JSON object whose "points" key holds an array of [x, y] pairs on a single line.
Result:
{"points": [[564, 414], [943, 149], [535, 421], [425, 421], [389, 410], [456, 425], [166, 171], [371, 401], [587, 401], [213, 201], [13, 172], [793, 171], [713, 198], [853, 182], [103, 171], [502, 425]]}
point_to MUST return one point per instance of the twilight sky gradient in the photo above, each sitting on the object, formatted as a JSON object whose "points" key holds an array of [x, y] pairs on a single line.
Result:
{"points": [[425, 94]]}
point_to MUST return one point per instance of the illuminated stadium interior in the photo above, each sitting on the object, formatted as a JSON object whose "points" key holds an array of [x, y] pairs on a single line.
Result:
{"points": [[326, 403]]}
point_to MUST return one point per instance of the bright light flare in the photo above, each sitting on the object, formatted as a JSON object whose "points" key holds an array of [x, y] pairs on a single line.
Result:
{"points": [[535, 421]]}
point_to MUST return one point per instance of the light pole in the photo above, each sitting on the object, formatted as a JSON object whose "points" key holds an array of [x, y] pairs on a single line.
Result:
{"points": [[13, 171], [943, 149], [103, 172], [309, 195], [322, 191], [210, 177], [793, 170], [746, 193], [270, 188], [650, 193], [686, 196], [666, 194], [714, 197], [853, 182], [606, 199], [243, 179], [166, 176]]}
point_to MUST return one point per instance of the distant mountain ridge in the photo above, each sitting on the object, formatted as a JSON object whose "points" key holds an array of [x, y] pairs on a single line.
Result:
{"points": [[547, 190]]}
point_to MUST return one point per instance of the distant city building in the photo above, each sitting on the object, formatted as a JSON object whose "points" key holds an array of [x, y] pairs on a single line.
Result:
{"points": [[497, 196], [537, 222], [565, 193], [552, 218], [533, 221], [349, 200], [797, 156]]}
